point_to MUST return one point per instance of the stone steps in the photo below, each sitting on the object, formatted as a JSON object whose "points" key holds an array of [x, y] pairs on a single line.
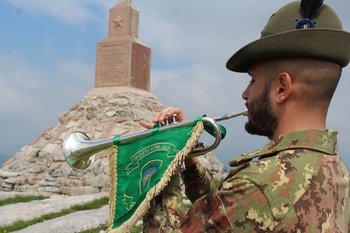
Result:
{"points": [[75, 222]]}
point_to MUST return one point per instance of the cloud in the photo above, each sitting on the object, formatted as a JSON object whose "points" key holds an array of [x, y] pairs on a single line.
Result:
{"points": [[206, 32], [338, 115], [24, 85], [19, 102], [198, 90], [72, 12], [201, 32], [16, 77], [32, 98]]}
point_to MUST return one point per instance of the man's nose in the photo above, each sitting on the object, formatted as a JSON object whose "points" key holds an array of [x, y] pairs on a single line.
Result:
{"points": [[245, 94]]}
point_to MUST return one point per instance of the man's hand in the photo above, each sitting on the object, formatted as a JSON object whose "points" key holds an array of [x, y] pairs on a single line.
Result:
{"points": [[162, 115]]}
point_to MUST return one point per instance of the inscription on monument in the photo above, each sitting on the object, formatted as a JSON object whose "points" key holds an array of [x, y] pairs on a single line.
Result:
{"points": [[112, 67]]}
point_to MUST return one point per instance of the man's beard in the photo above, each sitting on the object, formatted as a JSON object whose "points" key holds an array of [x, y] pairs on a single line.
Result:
{"points": [[262, 120]]}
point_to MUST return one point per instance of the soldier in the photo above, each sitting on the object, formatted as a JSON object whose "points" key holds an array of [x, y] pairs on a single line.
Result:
{"points": [[297, 182]]}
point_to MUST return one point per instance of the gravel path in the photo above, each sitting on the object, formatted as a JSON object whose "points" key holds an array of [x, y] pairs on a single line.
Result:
{"points": [[70, 223], [27, 211]]}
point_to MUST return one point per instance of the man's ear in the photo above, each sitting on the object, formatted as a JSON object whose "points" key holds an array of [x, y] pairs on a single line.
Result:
{"points": [[282, 87]]}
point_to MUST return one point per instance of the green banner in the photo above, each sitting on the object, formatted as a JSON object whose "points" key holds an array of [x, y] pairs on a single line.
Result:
{"points": [[140, 169]]}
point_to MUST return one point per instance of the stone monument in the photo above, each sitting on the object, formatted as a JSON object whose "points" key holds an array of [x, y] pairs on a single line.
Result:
{"points": [[122, 60], [120, 99]]}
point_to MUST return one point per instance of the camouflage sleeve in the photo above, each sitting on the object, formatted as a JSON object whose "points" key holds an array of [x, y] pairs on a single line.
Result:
{"points": [[198, 182], [239, 206], [167, 210]]}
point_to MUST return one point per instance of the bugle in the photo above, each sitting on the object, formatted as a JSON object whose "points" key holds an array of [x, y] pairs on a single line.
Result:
{"points": [[79, 150]]}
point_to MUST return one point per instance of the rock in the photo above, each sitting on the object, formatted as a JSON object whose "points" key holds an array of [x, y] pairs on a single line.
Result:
{"points": [[6, 174], [47, 136], [7, 187], [100, 181], [50, 148], [110, 114], [36, 169], [60, 170], [56, 157], [11, 180], [48, 189], [46, 183], [84, 190], [50, 178], [69, 182], [26, 188]]}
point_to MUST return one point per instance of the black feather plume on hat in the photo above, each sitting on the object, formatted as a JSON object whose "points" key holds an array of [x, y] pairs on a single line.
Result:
{"points": [[309, 7]]}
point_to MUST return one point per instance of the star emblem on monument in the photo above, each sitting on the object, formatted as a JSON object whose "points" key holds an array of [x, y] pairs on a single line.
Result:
{"points": [[118, 22]]}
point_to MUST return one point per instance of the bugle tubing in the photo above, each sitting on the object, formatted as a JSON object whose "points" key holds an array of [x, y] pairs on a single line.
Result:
{"points": [[79, 150]]}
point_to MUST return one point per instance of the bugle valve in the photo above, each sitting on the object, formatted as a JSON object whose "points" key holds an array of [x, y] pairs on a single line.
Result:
{"points": [[79, 150]]}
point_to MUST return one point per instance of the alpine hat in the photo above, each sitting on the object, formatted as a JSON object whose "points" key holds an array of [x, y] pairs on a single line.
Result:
{"points": [[295, 31]]}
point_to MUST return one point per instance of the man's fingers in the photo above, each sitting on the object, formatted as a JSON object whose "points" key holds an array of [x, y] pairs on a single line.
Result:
{"points": [[146, 124], [168, 113], [156, 117]]}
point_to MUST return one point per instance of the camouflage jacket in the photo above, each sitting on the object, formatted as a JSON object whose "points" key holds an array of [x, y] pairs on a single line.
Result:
{"points": [[298, 184]]}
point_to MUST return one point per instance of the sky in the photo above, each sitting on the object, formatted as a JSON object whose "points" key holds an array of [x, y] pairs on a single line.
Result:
{"points": [[47, 63]]}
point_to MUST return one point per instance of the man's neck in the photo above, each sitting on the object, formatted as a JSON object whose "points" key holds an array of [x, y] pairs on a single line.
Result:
{"points": [[300, 121]]}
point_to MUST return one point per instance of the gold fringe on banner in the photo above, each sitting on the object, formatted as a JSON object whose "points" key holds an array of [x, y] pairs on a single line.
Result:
{"points": [[156, 190]]}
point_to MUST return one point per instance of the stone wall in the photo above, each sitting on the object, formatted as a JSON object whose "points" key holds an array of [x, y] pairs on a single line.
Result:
{"points": [[102, 113]]}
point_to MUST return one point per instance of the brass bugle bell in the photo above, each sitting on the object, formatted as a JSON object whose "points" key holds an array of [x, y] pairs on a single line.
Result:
{"points": [[79, 150]]}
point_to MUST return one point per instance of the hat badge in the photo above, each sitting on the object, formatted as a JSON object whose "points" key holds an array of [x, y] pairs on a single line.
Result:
{"points": [[305, 23]]}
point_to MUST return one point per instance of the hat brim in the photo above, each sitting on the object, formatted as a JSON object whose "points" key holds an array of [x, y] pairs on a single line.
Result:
{"points": [[322, 44]]}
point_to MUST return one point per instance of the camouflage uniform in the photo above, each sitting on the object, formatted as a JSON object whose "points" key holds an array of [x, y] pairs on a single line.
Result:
{"points": [[298, 184]]}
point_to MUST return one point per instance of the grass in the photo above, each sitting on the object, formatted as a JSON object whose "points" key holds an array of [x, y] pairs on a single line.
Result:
{"points": [[18, 199], [18, 225]]}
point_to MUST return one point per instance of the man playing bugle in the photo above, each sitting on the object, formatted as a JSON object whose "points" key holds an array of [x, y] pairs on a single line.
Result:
{"points": [[297, 182]]}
